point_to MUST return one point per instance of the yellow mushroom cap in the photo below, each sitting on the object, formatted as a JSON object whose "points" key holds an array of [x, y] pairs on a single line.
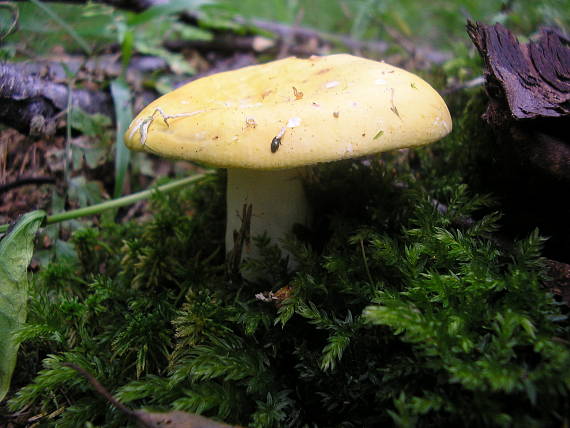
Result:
{"points": [[312, 110]]}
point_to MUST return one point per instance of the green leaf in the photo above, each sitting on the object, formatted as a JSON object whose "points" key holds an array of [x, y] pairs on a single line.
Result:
{"points": [[333, 350], [176, 62], [127, 46], [68, 28], [16, 251], [85, 192], [93, 146], [123, 112], [93, 125]]}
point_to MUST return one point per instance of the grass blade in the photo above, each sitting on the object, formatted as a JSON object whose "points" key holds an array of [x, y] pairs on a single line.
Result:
{"points": [[124, 114]]}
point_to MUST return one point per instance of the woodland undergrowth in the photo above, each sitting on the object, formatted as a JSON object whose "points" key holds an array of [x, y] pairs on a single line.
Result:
{"points": [[405, 309]]}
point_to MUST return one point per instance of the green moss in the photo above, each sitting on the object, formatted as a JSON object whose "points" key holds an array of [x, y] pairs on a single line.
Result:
{"points": [[401, 312]]}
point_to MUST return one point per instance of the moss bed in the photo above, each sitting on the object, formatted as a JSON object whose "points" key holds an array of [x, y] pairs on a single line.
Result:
{"points": [[408, 308]]}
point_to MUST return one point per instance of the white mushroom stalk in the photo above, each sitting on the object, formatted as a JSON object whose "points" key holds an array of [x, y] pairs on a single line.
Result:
{"points": [[278, 202]]}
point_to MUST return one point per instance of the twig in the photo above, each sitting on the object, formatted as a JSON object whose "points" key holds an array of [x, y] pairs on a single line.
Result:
{"points": [[174, 419], [68, 154], [23, 181], [284, 30], [101, 390], [418, 53], [287, 40]]}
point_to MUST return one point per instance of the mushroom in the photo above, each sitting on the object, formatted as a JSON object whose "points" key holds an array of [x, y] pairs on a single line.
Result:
{"points": [[266, 123]]}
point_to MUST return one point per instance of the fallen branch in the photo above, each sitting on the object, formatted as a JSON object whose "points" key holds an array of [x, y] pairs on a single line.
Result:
{"points": [[287, 32], [95, 68], [33, 94]]}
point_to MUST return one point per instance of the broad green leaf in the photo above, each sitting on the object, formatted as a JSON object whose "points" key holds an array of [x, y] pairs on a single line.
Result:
{"points": [[85, 192], [177, 63], [92, 125], [124, 114], [93, 145], [68, 28], [16, 251]]}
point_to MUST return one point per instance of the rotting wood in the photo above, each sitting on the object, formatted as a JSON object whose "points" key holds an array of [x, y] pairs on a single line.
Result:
{"points": [[529, 94], [534, 77], [30, 104]]}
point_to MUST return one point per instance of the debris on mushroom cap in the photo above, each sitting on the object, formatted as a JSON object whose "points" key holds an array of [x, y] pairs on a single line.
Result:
{"points": [[336, 109]]}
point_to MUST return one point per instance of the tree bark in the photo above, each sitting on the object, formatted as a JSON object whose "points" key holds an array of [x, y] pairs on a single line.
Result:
{"points": [[529, 94]]}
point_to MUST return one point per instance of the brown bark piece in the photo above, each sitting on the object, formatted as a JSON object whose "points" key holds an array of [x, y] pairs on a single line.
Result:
{"points": [[534, 77], [529, 89]]}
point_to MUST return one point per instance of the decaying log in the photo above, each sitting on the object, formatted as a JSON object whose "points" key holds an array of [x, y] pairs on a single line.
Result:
{"points": [[533, 77], [97, 68], [33, 94], [19, 86], [529, 90], [30, 103]]}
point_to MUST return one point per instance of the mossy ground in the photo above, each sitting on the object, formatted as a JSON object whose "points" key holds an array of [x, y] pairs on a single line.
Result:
{"points": [[405, 310]]}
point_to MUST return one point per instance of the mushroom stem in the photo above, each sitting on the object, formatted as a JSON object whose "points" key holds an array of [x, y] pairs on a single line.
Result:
{"points": [[278, 202]]}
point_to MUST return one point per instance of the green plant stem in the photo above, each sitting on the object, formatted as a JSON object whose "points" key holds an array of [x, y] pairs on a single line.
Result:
{"points": [[115, 203]]}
